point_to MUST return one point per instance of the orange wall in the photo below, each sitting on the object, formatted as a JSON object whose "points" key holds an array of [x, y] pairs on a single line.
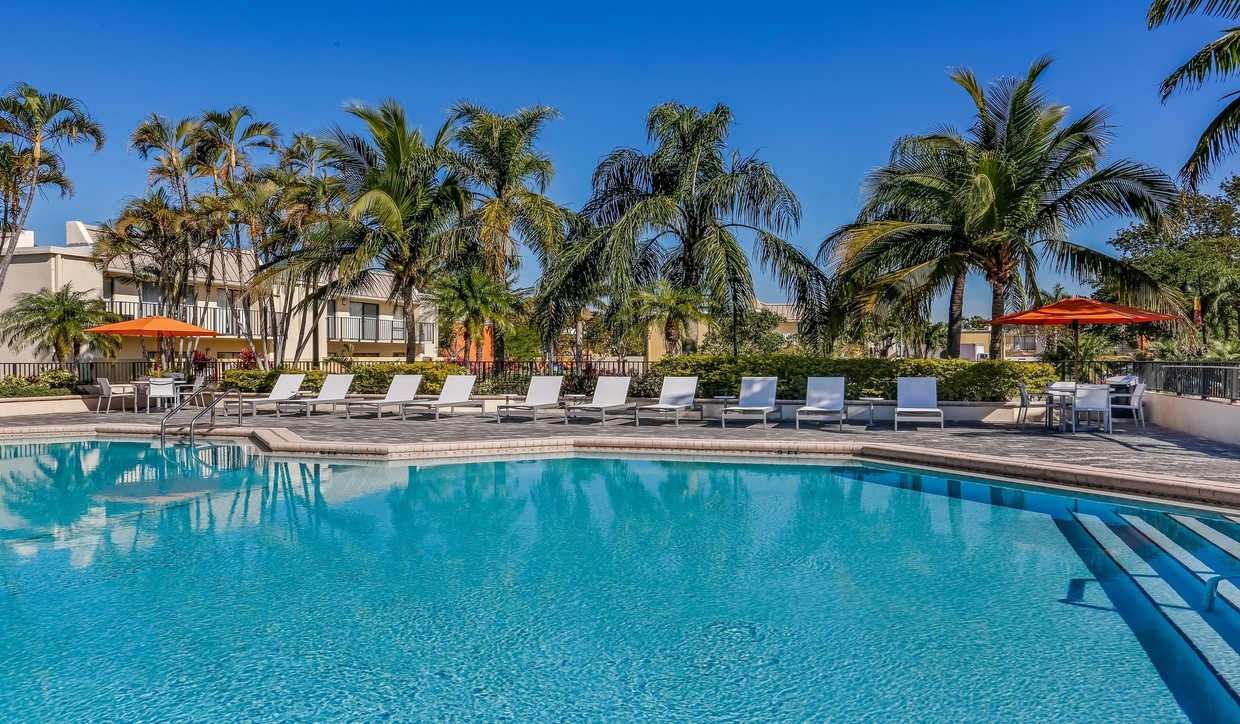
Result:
{"points": [[457, 348]]}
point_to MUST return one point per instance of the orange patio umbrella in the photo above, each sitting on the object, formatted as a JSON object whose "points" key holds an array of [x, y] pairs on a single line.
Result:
{"points": [[157, 327], [1077, 311]]}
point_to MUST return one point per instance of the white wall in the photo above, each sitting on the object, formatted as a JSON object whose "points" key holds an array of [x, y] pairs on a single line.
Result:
{"points": [[1211, 419]]}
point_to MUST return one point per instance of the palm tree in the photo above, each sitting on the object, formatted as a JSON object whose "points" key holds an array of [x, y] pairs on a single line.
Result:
{"points": [[14, 170], [679, 213], [55, 320], [174, 146], [674, 310], [38, 123], [1218, 59], [472, 297], [404, 206], [225, 139], [997, 200], [509, 177]]}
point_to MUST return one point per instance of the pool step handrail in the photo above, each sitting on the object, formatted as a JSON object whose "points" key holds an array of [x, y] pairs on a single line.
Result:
{"points": [[1207, 602], [163, 424], [211, 409]]}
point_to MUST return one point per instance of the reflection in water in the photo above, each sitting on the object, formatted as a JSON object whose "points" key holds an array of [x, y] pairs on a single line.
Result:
{"points": [[248, 587]]}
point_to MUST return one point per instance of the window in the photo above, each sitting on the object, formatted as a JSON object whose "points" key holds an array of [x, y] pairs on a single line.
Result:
{"points": [[1024, 342], [367, 319]]}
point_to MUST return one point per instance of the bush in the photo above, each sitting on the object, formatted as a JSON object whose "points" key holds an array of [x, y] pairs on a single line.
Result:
{"points": [[368, 379], [13, 386], [989, 381], [59, 380], [374, 379]]}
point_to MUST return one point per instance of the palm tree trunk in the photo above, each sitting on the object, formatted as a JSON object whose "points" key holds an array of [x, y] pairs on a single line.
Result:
{"points": [[998, 304], [955, 316]]}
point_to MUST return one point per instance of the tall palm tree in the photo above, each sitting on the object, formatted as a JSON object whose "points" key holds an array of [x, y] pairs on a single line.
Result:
{"points": [[680, 212], [1218, 59], [226, 139], [509, 177], [14, 175], [998, 200], [55, 320], [39, 123], [404, 205], [471, 297]]}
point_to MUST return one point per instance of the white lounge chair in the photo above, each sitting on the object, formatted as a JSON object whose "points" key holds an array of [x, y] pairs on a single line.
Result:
{"points": [[610, 394], [917, 398], [335, 391], [109, 392], [675, 396], [1089, 400], [456, 392], [543, 394], [757, 398], [824, 396], [286, 386], [1136, 403], [403, 389]]}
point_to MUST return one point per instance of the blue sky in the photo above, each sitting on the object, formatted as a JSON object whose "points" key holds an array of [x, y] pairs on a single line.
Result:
{"points": [[820, 91]]}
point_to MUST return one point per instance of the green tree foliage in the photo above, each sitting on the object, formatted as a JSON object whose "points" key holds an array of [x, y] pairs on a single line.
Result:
{"points": [[471, 297], [754, 330], [1198, 252], [54, 321]]}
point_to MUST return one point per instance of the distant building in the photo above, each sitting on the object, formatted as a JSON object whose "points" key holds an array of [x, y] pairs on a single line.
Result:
{"points": [[361, 325]]}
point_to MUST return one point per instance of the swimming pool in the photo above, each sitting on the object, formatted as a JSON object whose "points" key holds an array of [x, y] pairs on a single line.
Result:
{"points": [[140, 583]]}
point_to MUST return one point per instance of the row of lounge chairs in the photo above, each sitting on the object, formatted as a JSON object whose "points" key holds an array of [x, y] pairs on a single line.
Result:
{"points": [[916, 398]]}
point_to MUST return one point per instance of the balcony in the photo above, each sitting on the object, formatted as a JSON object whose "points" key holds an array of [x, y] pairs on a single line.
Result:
{"points": [[342, 328], [226, 322]]}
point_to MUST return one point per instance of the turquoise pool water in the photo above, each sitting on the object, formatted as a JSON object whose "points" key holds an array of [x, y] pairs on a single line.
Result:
{"points": [[140, 584]]}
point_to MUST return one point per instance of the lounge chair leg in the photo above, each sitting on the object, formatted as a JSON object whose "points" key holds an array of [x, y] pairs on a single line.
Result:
{"points": [[604, 414], [797, 417], [637, 419]]}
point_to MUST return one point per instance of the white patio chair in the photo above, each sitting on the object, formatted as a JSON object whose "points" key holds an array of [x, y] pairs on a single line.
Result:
{"points": [[917, 398], [675, 396], [543, 394], [402, 389], [1027, 403], [1136, 403], [109, 392], [610, 394], [198, 390], [757, 398], [162, 389], [285, 388], [824, 397], [1090, 400], [456, 392], [335, 391]]}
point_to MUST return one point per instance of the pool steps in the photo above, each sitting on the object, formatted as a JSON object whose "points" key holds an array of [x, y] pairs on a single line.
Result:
{"points": [[1212, 635]]}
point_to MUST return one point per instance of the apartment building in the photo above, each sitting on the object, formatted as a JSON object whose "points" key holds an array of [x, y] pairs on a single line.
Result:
{"points": [[362, 325]]}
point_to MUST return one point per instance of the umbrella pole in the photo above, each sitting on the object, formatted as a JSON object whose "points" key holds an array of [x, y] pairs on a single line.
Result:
{"points": [[1076, 348]]}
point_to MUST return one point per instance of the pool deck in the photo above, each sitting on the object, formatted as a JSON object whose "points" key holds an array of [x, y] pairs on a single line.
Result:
{"points": [[1159, 462]]}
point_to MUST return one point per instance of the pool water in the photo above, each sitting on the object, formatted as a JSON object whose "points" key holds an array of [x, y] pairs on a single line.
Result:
{"points": [[146, 584]]}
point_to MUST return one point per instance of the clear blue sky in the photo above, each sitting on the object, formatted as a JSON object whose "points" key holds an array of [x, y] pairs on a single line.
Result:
{"points": [[820, 91]]}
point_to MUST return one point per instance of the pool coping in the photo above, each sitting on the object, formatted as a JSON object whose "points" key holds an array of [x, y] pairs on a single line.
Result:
{"points": [[282, 441]]}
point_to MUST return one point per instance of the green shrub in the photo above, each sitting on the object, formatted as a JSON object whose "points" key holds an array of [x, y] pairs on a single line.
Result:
{"points": [[374, 379], [264, 380], [13, 386], [60, 380], [989, 381]]}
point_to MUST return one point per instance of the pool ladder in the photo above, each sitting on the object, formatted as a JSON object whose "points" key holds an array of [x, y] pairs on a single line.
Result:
{"points": [[1207, 603], [163, 424]]}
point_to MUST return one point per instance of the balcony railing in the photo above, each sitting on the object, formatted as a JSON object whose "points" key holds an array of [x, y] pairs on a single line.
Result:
{"points": [[365, 329], [227, 322]]}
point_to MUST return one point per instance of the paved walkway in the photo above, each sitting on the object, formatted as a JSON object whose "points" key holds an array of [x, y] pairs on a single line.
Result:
{"points": [[1160, 451]]}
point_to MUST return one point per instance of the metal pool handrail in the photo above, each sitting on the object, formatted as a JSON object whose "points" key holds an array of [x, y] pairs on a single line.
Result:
{"points": [[163, 424], [211, 409], [1212, 590]]}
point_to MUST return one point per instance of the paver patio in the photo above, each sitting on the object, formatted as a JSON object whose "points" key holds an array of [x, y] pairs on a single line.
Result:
{"points": [[1159, 450]]}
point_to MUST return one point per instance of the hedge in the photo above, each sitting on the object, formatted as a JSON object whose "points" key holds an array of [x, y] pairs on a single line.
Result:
{"points": [[14, 386], [988, 381], [367, 379]]}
